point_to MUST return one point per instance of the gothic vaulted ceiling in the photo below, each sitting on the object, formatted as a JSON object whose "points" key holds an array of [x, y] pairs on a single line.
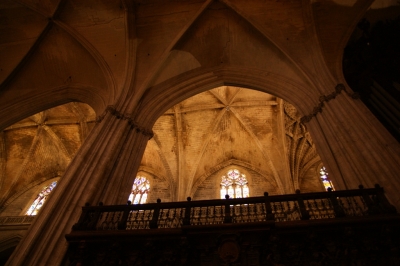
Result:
{"points": [[199, 139], [38, 149], [100, 52], [195, 142], [111, 52]]}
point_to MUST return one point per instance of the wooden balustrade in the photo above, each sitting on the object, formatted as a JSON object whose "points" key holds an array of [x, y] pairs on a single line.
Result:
{"points": [[278, 208]]}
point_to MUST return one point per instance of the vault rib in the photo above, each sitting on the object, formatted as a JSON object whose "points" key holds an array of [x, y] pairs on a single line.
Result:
{"points": [[234, 95], [27, 159], [203, 149], [105, 68], [57, 141], [197, 108], [181, 167], [170, 177], [216, 95], [27, 56], [257, 27], [259, 145], [307, 166], [156, 69]]}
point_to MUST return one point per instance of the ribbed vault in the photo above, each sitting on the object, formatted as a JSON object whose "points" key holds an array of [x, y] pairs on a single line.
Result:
{"points": [[231, 127]]}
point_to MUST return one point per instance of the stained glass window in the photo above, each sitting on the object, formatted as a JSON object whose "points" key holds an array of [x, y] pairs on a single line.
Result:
{"points": [[140, 190], [234, 184], [40, 199], [325, 179]]}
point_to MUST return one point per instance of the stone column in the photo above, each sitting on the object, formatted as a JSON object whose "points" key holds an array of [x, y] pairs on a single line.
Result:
{"points": [[355, 146], [120, 182], [88, 179]]}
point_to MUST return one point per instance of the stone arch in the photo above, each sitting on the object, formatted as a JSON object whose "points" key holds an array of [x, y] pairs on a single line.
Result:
{"points": [[37, 189], [160, 186], [159, 98], [163, 96], [231, 164], [28, 194], [57, 96]]}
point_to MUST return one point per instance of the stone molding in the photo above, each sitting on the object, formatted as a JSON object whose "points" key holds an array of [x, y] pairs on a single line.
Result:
{"points": [[134, 125], [326, 98], [16, 220]]}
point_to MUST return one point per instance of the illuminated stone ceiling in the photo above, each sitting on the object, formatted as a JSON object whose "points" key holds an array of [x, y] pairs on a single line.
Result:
{"points": [[194, 143], [39, 148]]}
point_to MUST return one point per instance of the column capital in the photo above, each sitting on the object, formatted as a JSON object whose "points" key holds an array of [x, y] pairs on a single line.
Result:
{"points": [[111, 109], [326, 98]]}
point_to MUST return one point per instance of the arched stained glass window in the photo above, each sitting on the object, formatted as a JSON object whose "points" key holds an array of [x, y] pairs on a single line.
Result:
{"points": [[234, 184], [140, 190], [40, 199], [325, 179]]}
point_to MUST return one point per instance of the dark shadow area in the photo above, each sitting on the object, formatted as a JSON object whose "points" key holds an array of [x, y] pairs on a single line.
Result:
{"points": [[371, 66]]}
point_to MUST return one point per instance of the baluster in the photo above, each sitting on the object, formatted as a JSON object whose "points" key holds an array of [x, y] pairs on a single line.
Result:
{"points": [[154, 221], [324, 210], [227, 218], [275, 212], [193, 215], [211, 216], [103, 218], [350, 208], [203, 215], [84, 219], [186, 220], [161, 218], [288, 212], [281, 209], [96, 216], [124, 219], [146, 217], [304, 214], [129, 221], [358, 210], [218, 214], [173, 221], [315, 209], [262, 212], [250, 214], [166, 215], [239, 215], [136, 219], [111, 221], [269, 215], [243, 212], [180, 219], [362, 211], [370, 205], [296, 210], [336, 207], [382, 201], [308, 208]]}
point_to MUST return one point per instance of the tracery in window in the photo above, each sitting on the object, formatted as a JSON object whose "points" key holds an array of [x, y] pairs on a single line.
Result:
{"points": [[40, 199], [325, 179], [140, 190], [234, 184]]}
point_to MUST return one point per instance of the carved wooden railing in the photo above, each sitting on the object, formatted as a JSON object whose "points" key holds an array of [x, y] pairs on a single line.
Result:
{"points": [[279, 208]]}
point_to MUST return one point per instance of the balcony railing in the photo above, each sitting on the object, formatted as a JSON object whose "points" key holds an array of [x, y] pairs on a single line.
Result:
{"points": [[279, 208]]}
